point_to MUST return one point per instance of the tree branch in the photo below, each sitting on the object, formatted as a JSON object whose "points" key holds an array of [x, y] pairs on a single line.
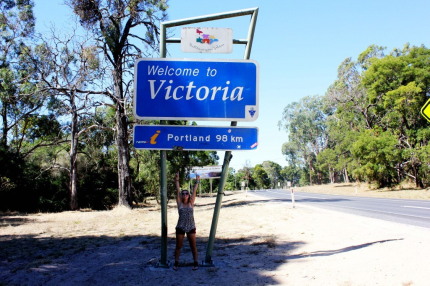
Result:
{"points": [[92, 127]]}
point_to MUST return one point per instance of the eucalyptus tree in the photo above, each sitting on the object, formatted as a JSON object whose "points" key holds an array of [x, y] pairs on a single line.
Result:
{"points": [[353, 111], [327, 160], [231, 182], [377, 101], [261, 177], [273, 171], [124, 30], [25, 120], [291, 174], [19, 99], [245, 175], [398, 85], [305, 123], [70, 69]]}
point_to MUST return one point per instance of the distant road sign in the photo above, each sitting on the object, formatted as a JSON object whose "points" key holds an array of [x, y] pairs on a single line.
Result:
{"points": [[425, 111], [176, 137], [206, 172], [179, 89]]}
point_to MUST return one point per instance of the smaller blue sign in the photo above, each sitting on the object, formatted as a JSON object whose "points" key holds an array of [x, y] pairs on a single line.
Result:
{"points": [[176, 137]]}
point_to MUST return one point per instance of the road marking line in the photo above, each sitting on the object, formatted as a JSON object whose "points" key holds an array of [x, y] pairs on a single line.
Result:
{"points": [[364, 209], [385, 212], [414, 207]]}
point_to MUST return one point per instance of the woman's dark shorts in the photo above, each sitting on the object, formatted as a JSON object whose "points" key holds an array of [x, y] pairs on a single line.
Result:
{"points": [[181, 231]]}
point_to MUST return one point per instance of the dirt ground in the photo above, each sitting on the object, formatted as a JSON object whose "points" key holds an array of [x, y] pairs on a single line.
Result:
{"points": [[259, 242]]}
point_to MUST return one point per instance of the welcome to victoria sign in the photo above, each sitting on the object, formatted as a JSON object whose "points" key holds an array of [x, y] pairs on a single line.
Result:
{"points": [[194, 89]]}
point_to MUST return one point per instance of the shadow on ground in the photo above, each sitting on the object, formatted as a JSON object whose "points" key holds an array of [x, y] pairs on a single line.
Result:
{"points": [[341, 250], [132, 260], [13, 219]]}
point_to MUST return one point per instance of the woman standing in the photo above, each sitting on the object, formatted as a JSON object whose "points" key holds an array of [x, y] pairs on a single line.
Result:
{"points": [[186, 224]]}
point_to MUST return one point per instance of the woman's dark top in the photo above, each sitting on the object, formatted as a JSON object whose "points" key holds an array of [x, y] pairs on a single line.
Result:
{"points": [[186, 219]]}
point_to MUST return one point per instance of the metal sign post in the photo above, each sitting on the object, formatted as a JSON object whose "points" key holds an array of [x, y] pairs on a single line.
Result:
{"points": [[163, 186], [253, 12], [227, 155]]}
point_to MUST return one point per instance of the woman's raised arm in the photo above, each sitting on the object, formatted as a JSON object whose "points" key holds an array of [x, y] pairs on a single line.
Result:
{"points": [[196, 186]]}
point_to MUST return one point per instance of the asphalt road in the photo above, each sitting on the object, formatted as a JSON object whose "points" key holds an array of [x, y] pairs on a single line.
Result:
{"points": [[411, 212]]}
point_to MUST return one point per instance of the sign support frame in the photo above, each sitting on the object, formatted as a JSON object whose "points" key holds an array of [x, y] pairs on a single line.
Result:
{"points": [[253, 12]]}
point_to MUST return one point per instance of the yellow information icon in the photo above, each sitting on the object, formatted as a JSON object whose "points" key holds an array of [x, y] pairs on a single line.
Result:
{"points": [[425, 111]]}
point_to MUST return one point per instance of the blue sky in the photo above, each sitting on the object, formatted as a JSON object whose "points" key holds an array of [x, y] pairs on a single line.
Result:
{"points": [[298, 45]]}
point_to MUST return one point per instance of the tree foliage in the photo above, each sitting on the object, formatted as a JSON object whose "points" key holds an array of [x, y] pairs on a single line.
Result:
{"points": [[375, 133], [306, 124], [261, 178]]}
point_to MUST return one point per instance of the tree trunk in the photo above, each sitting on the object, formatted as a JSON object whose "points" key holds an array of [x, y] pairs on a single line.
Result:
{"points": [[418, 181], [345, 175], [3, 138], [124, 178], [331, 175], [73, 184], [73, 156]]}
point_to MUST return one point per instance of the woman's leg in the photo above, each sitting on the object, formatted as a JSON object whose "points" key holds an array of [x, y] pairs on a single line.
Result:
{"points": [[179, 243], [193, 245]]}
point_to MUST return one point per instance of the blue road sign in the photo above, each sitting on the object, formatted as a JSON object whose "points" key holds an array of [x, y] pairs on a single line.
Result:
{"points": [[194, 89], [177, 137]]}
